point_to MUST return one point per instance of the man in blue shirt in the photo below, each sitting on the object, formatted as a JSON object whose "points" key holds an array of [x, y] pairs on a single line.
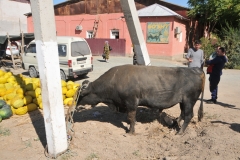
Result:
{"points": [[218, 63]]}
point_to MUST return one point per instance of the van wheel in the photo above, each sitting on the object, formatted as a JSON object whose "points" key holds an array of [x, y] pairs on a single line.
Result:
{"points": [[33, 72], [63, 75]]}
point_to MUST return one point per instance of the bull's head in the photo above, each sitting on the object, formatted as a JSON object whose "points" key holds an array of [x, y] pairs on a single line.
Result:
{"points": [[86, 95]]}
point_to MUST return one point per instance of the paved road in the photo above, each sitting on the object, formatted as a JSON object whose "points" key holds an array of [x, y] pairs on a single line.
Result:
{"points": [[100, 66]]}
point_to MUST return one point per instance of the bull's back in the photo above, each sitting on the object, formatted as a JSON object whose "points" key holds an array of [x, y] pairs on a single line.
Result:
{"points": [[131, 78]]}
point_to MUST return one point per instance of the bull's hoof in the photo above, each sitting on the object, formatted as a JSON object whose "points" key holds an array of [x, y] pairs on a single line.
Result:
{"points": [[180, 132], [131, 132]]}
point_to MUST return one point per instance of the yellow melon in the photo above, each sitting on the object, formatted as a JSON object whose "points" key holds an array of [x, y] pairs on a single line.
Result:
{"points": [[64, 84], [9, 74], [2, 92], [8, 102], [29, 87], [27, 99], [38, 92], [40, 105], [63, 97], [70, 93], [65, 102], [69, 86], [70, 82], [19, 91], [11, 78], [13, 110], [30, 93], [32, 107], [9, 96], [3, 80], [20, 95], [6, 76], [17, 102], [64, 90], [70, 103], [37, 100], [21, 111], [10, 90], [75, 86]]}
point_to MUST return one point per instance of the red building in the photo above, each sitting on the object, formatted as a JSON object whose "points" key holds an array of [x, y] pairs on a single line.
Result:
{"points": [[164, 29]]}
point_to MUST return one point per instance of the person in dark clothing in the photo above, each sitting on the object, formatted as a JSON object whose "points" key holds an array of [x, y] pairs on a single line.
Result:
{"points": [[218, 63]]}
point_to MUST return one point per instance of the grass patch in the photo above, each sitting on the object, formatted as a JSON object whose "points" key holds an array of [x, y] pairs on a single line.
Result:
{"points": [[136, 153], [92, 156], [68, 154], [4, 132]]}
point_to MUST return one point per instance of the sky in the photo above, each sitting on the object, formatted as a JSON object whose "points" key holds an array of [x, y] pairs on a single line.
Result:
{"points": [[178, 2]]}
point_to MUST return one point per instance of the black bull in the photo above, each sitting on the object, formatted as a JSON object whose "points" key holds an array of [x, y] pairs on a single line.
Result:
{"points": [[129, 86]]}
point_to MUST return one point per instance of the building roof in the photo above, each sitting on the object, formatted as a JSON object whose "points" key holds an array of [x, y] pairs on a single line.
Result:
{"points": [[156, 10]]}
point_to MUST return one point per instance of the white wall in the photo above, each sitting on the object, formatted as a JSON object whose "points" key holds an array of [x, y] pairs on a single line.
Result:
{"points": [[12, 17]]}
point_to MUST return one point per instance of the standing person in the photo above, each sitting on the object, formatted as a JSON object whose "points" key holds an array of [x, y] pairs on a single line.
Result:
{"points": [[212, 56], [106, 51], [195, 55], [214, 78]]}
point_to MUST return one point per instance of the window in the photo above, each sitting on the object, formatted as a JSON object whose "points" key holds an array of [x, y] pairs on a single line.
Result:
{"points": [[114, 34], [180, 37], [89, 34], [79, 48], [31, 48], [62, 50]]}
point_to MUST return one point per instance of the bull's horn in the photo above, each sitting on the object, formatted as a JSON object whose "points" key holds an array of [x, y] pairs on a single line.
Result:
{"points": [[85, 84]]}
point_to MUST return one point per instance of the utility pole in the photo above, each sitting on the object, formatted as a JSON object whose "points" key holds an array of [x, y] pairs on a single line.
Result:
{"points": [[135, 31], [49, 70]]}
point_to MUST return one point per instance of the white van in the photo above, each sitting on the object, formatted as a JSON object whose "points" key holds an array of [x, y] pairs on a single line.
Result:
{"points": [[75, 57]]}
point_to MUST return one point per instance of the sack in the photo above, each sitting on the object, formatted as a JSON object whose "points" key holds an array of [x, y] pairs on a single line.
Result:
{"points": [[110, 48], [209, 69]]}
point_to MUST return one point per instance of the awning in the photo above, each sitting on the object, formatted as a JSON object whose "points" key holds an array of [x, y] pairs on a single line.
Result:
{"points": [[28, 37]]}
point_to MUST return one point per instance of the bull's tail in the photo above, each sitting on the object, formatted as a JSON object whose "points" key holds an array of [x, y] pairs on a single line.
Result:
{"points": [[200, 110]]}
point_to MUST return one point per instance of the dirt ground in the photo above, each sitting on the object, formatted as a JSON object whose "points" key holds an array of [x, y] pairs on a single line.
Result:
{"points": [[100, 134]]}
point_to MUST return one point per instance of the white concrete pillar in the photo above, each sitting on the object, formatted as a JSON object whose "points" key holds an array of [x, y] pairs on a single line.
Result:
{"points": [[135, 31], [49, 70]]}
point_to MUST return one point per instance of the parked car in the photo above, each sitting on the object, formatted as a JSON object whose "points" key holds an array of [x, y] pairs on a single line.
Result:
{"points": [[75, 57], [15, 51]]}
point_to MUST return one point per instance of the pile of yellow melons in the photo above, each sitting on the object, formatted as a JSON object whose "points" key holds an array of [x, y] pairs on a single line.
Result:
{"points": [[23, 94]]}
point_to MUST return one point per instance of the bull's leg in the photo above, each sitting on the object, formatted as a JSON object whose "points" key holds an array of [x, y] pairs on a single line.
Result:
{"points": [[132, 119], [181, 114], [188, 114]]}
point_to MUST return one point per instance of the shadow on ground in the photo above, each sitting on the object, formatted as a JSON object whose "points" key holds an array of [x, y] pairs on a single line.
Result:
{"points": [[223, 104], [105, 114], [101, 60], [233, 126]]}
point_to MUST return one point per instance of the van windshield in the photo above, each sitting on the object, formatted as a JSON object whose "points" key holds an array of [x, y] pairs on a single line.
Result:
{"points": [[79, 48]]}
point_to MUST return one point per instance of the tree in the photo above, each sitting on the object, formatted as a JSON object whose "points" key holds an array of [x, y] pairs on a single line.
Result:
{"points": [[214, 14]]}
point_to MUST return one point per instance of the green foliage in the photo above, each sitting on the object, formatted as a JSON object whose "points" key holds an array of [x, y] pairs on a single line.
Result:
{"points": [[231, 42], [214, 13], [207, 47]]}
